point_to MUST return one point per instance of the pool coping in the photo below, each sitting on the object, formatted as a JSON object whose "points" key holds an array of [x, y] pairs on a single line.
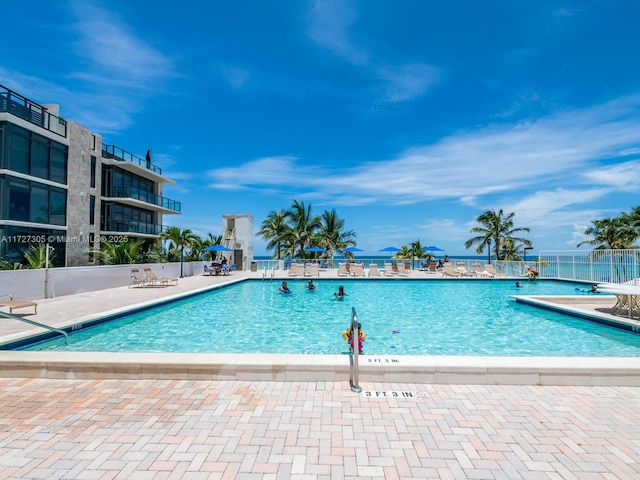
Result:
{"points": [[578, 371]]}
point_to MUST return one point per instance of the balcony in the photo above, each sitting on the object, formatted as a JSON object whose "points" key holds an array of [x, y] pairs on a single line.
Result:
{"points": [[118, 226], [116, 153], [22, 107], [124, 193]]}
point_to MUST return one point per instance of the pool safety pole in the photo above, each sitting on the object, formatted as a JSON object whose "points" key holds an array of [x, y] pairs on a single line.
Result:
{"points": [[355, 351]]}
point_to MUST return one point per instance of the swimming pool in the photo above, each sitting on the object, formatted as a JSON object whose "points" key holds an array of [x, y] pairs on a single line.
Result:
{"points": [[428, 318]]}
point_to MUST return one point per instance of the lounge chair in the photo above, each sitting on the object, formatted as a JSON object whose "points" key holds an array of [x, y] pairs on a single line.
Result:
{"points": [[463, 270], [138, 279], [477, 268], [311, 270], [13, 304], [155, 280], [296, 270], [492, 271], [432, 267], [373, 270], [448, 271], [402, 270], [342, 270], [390, 270], [357, 270]]}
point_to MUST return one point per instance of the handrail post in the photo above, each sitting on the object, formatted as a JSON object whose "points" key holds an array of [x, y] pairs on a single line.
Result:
{"points": [[37, 324], [355, 351]]}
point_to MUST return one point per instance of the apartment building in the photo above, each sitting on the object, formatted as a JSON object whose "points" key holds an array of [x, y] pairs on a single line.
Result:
{"points": [[61, 186]]}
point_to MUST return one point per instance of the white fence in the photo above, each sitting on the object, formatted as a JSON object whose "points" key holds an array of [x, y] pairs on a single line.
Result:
{"points": [[41, 283], [597, 266]]}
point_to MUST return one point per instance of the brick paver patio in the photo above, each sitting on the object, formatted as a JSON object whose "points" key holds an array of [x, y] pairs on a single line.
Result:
{"points": [[168, 429]]}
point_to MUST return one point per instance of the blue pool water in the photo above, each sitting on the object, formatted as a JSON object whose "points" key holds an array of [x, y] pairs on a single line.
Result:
{"points": [[399, 318]]}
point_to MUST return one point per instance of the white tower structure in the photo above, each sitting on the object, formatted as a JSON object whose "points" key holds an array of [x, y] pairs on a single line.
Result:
{"points": [[237, 234]]}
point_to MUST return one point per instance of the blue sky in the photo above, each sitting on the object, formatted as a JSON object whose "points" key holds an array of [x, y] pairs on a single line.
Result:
{"points": [[410, 118]]}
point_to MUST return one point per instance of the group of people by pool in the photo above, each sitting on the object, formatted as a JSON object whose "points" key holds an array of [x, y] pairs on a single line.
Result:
{"points": [[310, 286], [339, 295]]}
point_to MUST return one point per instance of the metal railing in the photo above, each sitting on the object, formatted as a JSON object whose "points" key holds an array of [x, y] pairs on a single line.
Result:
{"points": [[123, 226], [126, 191], [15, 104], [37, 324], [597, 266], [354, 370], [116, 153]]}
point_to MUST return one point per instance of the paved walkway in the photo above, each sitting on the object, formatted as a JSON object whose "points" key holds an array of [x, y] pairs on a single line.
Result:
{"points": [[189, 429], [70, 429]]}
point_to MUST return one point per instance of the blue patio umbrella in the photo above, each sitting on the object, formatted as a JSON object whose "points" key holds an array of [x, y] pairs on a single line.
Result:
{"points": [[217, 248], [390, 249], [315, 249], [431, 248], [352, 249]]}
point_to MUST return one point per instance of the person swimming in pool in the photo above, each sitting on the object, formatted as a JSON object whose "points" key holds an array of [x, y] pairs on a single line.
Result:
{"points": [[310, 285], [284, 288], [340, 293]]}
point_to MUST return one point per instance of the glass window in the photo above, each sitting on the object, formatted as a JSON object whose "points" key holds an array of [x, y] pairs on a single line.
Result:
{"points": [[92, 210], [39, 207], [92, 178], [40, 160], [18, 200], [58, 206], [19, 153], [3, 160], [58, 164]]}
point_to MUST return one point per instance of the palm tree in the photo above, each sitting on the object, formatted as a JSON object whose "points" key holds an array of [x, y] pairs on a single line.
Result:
{"points": [[615, 233], [302, 226], [405, 253], [417, 252], [330, 234], [210, 241], [177, 241], [510, 250], [273, 228], [125, 252], [611, 234], [496, 227]]}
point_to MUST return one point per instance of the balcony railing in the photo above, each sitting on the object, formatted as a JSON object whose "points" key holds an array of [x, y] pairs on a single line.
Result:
{"points": [[22, 107], [117, 153], [148, 197], [132, 227]]}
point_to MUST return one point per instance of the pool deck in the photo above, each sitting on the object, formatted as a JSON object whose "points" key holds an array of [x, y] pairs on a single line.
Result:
{"points": [[84, 425]]}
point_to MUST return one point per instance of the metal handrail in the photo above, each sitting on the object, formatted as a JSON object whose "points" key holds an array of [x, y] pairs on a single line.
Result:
{"points": [[354, 371], [37, 324]]}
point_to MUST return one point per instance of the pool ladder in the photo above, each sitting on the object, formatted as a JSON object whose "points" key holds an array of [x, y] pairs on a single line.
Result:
{"points": [[37, 324], [264, 274], [354, 369]]}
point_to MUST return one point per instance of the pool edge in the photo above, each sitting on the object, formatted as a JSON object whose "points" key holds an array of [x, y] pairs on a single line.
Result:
{"points": [[566, 371]]}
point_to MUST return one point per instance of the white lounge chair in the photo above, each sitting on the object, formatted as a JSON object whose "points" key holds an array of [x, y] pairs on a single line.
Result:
{"points": [[402, 270], [311, 270], [296, 270], [463, 270], [155, 280], [373, 270], [448, 271], [342, 270], [492, 271], [356, 270]]}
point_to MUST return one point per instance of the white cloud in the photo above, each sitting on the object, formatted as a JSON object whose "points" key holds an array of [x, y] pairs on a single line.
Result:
{"points": [[542, 169], [328, 24], [110, 46]]}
